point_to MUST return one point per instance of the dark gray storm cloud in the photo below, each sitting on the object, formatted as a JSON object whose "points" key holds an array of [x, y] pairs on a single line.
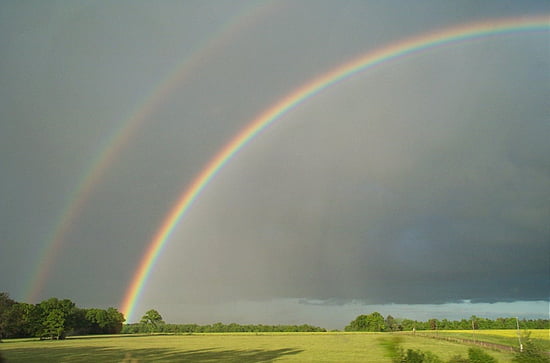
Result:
{"points": [[414, 184], [425, 180]]}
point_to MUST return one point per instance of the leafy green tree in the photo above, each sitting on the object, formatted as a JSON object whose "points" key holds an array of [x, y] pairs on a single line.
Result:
{"points": [[57, 316], [532, 353], [474, 322], [105, 321], [433, 324], [392, 324], [54, 325], [370, 322], [17, 320], [5, 315], [376, 322], [408, 324], [32, 319], [97, 318], [82, 326], [359, 324], [5, 301], [115, 319], [152, 319]]}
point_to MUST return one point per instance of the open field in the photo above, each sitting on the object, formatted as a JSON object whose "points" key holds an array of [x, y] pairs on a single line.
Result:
{"points": [[244, 347]]}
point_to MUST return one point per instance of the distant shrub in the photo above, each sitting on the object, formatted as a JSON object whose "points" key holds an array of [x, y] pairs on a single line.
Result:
{"points": [[477, 355], [396, 353], [413, 356], [429, 357], [458, 359], [418, 356]]}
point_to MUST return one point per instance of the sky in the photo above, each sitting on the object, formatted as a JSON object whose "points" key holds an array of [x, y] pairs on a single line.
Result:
{"points": [[419, 188]]}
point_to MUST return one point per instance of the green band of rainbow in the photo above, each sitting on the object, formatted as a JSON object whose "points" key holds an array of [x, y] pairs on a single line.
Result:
{"points": [[266, 118]]}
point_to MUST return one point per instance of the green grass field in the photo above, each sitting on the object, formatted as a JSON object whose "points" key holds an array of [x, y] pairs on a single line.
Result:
{"points": [[497, 336], [244, 347]]}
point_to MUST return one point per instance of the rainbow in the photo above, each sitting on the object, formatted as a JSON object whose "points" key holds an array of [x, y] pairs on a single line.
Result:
{"points": [[122, 135], [268, 117]]}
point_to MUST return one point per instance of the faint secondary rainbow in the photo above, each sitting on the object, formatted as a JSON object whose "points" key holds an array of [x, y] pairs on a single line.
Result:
{"points": [[123, 134], [371, 59]]}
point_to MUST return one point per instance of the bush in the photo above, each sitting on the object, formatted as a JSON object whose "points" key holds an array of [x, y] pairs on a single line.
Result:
{"points": [[477, 355], [459, 359], [413, 356], [418, 356], [398, 355]]}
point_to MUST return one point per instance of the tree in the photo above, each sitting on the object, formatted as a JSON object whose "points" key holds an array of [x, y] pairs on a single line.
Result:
{"points": [[6, 305], [474, 322], [82, 326], [18, 320], [152, 319], [392, 324], [54, 325], [115, 319], [375, 322], [371, 322], [359, 324], [104, 321], [97, 318], [32, 319], [532, 352], [408, 324], [57, 316]]}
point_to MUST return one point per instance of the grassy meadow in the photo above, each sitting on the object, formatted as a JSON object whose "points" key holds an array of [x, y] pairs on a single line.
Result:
{"points": [[498, 336], [232, 347]]}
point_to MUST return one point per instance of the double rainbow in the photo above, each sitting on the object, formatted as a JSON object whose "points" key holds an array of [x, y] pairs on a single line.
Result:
{"points": [[265, 119]]}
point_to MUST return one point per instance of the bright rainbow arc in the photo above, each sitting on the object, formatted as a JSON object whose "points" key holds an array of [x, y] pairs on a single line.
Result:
{"points": [[268, 117]]}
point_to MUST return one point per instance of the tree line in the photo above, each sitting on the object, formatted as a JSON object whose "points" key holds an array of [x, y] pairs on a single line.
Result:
{"points": [[55, 319], [217, 328], [152, 322], [375, 322]]}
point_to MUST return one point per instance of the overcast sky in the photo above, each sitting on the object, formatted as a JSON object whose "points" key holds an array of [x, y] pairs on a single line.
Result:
{"points": [[423, 181]]}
